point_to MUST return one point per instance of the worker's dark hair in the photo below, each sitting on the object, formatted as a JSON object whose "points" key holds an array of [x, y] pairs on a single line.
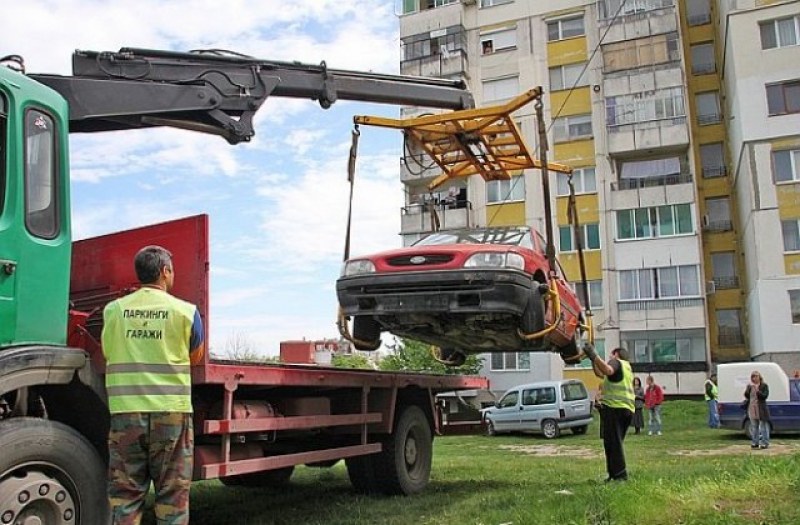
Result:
{"points": [[149, 262], [622, 353]]}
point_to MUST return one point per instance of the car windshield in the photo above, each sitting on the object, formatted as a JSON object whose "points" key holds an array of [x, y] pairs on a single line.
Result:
{"points": [[508, 236]]}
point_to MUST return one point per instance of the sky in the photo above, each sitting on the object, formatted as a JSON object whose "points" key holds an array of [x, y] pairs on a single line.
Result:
{"points": [[277, 205]]}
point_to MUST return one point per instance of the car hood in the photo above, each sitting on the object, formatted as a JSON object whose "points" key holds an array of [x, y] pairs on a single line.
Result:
{"points": [[433, 257]]}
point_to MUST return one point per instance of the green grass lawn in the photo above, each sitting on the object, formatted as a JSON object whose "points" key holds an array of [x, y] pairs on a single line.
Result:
{"points": [[690, 475]]}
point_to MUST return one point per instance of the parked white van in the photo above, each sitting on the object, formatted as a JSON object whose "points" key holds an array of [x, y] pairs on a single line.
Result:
{"points": [[547, 407]]}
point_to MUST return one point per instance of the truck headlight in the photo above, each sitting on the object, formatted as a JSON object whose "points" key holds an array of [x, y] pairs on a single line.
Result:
{"points": [[495, 260], [357, 267]]}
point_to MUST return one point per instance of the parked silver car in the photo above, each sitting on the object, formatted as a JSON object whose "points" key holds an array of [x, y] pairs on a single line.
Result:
{"points": [[547, 407]]}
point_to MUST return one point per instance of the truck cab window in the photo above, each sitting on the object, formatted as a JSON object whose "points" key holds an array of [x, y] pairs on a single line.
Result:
{"points": [[3, 126], [41, 209]]}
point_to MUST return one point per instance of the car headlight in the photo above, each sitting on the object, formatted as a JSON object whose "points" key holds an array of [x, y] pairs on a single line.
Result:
{"points": [[357, 267], [495, 260]]}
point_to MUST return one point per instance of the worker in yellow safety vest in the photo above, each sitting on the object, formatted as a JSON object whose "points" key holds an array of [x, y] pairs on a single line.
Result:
{"points": [[150, 340], [618, 406], [712, 396]]}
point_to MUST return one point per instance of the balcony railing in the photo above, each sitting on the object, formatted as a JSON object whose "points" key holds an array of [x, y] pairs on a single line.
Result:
{"points": [[452, 64], [704, 68], [659, 304], [698, 20], [726, 282], [718, 226], [648, 182], [713, 172], [730, 337], [709, 118], [417, 218], [646, 124]]}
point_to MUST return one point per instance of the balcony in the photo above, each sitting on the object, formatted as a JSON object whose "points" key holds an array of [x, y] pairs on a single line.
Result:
{"points": [[650, 182], [704, 68], [709, 118], [726, 282], [415, 168], [714, 172], [637, 22], [659, 304], [660, 133], [729, 336], [699, 19], [450, 64], [417, 218], [718, 226]]}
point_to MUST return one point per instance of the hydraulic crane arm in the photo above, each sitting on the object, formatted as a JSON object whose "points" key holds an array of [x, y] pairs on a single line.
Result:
{"points": [[219, 92]]}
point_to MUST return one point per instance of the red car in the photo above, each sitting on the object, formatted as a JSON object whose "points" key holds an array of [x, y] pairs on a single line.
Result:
{"points": [[465, 291]]}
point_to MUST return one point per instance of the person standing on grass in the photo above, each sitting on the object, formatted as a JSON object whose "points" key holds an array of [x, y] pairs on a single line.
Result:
{"points": [[618, 406], [756, 395], [150, 339], [712, 396], [638, 404], [653, 398]]}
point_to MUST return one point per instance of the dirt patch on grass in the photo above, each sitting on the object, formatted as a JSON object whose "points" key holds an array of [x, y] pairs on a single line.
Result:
{"points": [[736, 450], [552, 451]]}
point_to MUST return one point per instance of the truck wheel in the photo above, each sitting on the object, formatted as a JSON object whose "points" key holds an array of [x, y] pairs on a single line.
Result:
{"points": [[268, 478], [532, 319], [361, 471], [368, 330], [405, 463], [550, 429], [50, 474]]}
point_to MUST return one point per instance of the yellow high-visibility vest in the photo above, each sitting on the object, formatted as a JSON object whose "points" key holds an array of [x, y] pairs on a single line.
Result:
{"points": [[146, 345], [714, 390], [620, 395]]}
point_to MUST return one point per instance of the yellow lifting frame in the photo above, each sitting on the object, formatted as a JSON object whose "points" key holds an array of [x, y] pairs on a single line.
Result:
{"points": [[483, 141]]}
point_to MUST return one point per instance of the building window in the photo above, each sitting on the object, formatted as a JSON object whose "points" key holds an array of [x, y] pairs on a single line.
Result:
{"points": [[698, 12], [41, 175], [645, 107], [505, 190], [783, 98], [510, 361], [640, 52], [708, 111], [610, 8], [500, 89], [791, 235], [786, 165], [729, 327], [569, 76], [490, 3], [647, 223], [723, 265], [652, 172], [595, 293], [665, 346], [572, 128], [669, 282], [794, 301], [499, 40], [591, 237], [718, 215], [703, 61], [712, 160], [781, 32], [583, 179], [565, 28], [423, 45]]}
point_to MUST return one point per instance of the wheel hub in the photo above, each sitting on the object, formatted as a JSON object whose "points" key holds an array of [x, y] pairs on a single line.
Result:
{"points": [[34, 498], [411, 450]]}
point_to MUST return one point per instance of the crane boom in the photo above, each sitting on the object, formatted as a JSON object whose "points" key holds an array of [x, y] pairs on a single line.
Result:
{"points": [[219, 92]]}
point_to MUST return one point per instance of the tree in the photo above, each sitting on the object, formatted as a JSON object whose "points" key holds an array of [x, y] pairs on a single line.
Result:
{"points": [[351, 361], [239, 347], [411, 355]]}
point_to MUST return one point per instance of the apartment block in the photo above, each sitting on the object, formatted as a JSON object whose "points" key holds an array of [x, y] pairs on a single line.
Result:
{"points": [[679, 118]]}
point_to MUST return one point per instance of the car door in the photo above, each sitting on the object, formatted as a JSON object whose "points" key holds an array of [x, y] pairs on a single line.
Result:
{"points": [[575, 401], [537, 405], [505, 416]]}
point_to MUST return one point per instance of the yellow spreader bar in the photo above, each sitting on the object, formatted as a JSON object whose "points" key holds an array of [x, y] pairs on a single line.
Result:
{"points": [[483, 141]]}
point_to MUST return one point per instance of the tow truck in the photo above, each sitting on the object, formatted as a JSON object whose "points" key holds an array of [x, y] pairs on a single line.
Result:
{"points": [[253, 422]]}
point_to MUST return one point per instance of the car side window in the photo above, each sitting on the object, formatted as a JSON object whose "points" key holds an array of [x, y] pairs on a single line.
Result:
{"points": [[529, 397], [573, 392], [41, 175], [540, 396], [509, 400]]}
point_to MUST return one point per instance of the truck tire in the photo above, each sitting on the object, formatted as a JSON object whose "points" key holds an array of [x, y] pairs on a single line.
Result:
{"points": [[268, 478], [361, 471], [404, 464], [49, 473], [368, 330]]}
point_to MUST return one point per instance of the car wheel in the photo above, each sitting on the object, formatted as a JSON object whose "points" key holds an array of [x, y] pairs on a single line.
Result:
{"points": [[367, 333], [550, 429], [490, 431], [580, 430], [532, 319]]}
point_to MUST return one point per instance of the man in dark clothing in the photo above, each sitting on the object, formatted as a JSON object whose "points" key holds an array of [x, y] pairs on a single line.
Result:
{"points": [[618, 406]]}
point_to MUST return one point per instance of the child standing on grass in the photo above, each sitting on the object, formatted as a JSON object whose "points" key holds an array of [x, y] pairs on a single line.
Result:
{"points": [[638, 392], [653, 397]]}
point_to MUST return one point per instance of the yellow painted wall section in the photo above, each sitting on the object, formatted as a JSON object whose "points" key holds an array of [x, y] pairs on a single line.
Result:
{"points": [[716, 187], [576, 154], [792, 264], [586, 375], [788, 200], [505, 214], [588, 210], [702, 33], [790, 143], [566, 51], [579, 103], [719, 242], [572, 270], [727, 299]]}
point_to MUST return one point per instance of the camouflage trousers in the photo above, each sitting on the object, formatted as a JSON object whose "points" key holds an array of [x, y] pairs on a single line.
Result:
{"points": [[152, 447]]}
